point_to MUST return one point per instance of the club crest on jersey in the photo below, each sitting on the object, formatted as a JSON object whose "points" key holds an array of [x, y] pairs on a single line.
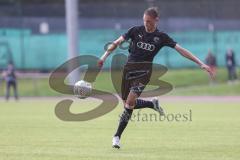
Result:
{"points": [[156, 39]]}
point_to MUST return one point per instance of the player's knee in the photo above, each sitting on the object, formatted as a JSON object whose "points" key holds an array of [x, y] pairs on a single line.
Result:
{"points": [[131, 102], [128, 106]]}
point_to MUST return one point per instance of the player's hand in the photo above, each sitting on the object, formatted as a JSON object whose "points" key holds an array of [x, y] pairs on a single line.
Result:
{"points": [[208, 69], [100, 63]]}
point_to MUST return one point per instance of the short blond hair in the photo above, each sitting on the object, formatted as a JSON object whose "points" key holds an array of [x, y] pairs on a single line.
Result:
{"points": [[153, 12]]}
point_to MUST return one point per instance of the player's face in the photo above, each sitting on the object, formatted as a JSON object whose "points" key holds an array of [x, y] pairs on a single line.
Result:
{"points": [[150, 23]]}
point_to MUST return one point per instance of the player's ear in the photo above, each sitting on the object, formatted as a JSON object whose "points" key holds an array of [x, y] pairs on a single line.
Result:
{"points": [[157, 19]]}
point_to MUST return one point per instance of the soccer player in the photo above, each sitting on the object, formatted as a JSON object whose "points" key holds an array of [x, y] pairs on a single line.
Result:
{"points": [[11, 80], [146, 41], [231, 65], [211, 62]]}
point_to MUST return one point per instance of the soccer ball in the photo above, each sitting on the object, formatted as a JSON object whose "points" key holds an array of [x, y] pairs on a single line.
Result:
{"points": [[82, 89]]}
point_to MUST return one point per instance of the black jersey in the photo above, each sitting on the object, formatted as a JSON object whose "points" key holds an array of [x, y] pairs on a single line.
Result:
{"points": [[144, 46]]}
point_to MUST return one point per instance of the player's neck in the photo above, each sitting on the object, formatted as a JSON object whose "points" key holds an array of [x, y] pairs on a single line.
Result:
{"points": [[150, 30]]}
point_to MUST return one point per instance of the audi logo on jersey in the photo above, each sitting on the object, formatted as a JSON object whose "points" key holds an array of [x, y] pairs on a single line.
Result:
{"points": [[146, 46]]}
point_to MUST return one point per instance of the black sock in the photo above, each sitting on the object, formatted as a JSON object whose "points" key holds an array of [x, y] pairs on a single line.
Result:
{"points": [[125, 117], [143, 104]]}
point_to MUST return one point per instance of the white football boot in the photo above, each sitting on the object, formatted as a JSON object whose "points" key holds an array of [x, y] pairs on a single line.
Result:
{"points": [[116, 142], [157, 107]]}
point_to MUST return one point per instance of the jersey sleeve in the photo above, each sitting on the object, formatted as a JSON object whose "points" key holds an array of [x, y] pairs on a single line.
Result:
{"points": [[129, 34], [168, 41]]}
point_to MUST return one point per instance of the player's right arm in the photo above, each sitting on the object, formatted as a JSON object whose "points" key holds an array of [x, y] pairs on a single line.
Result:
{"points": [[4, 74], [109, 50]]}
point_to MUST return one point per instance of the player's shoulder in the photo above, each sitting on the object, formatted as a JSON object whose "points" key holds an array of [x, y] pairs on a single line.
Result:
{"points": [[161, 33], [136, 28]]}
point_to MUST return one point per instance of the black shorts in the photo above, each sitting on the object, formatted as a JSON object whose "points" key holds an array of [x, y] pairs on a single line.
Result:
{"points": [[135, 77]]}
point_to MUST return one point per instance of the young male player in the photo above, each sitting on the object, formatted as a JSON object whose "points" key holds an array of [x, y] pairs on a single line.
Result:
{"points": [[146, 41]]}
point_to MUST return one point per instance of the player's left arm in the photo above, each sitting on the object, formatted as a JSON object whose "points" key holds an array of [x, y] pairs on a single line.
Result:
{"points": [[185, 53]]}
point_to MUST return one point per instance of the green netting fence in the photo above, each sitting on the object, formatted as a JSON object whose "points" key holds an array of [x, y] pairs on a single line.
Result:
{"points": [[45, 52]]}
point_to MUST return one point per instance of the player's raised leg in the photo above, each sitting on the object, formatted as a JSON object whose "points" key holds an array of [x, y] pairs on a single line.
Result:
{"points": [[153, 104]]}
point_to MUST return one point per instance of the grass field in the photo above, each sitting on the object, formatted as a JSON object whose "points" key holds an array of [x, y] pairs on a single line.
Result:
{"points": [[184, 81], [31, 131]]}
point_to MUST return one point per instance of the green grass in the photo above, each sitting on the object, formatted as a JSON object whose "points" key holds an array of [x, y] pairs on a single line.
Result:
{"points": [[222, 89], [185, 82], [31, 131]]}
